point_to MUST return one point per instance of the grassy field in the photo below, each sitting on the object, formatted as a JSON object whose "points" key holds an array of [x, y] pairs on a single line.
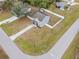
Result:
{"points": [[2, 54], [38, 41], [70, 53]]}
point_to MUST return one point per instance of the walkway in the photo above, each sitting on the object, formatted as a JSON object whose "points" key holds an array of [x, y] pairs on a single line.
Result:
{"points": [[13, 37]]}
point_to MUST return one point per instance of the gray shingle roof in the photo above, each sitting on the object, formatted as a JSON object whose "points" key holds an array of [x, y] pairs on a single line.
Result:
{"points": [[61, 4], [42, 17]]}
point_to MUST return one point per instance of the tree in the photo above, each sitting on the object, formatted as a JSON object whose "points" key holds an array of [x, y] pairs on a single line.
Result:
{"points": [[38, 3], [8, 4], [20, 10]]}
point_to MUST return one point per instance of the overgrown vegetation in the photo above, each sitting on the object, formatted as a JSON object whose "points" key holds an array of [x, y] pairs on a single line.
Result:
{"points": [[40, 3]]}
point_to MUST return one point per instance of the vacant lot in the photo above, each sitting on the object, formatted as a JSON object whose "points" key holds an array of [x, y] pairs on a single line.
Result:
{"points": [[71, 51], [16, 26], [2, 54], [40, 40]]}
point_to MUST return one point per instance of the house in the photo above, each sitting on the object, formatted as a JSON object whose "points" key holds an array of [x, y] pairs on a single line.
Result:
{"points": [[61, 5], [64, 4], [40, 18]]}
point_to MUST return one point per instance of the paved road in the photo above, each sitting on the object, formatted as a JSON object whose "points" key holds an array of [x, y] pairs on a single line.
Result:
{"points": [[55, 53], [61, 46], [9, 47]]}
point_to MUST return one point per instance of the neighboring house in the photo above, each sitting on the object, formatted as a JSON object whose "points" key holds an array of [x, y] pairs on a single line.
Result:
{"points": [[60, 5], [64, 4], [40, 18]]}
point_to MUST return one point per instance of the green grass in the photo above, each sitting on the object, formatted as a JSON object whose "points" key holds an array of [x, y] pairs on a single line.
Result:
{"points": [[7, 29], [70, 53], [47, 43]]}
